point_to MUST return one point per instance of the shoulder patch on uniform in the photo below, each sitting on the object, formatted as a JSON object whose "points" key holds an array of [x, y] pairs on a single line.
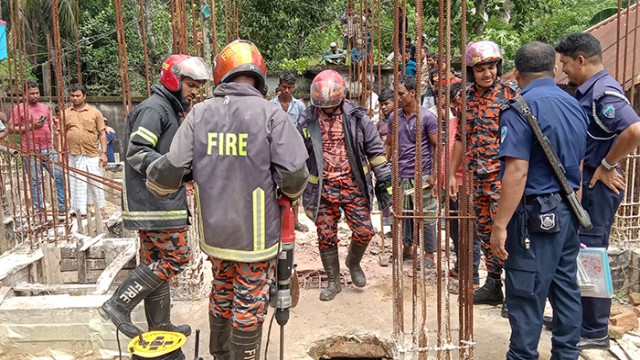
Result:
{"points": [[503, 133], [609, 111]]}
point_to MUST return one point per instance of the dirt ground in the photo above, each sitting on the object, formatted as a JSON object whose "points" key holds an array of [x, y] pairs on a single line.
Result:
{"points": [[357, 311]]}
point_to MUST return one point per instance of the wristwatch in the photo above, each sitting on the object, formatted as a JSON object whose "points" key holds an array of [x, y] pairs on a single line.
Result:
{"points": [[606, 165]]}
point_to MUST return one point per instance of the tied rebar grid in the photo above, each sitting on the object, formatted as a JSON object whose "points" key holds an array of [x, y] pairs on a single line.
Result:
{"points": [[431, 332]]}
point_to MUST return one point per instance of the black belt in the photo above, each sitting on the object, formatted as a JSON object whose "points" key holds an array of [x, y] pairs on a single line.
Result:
{"points": [[531, 199]]}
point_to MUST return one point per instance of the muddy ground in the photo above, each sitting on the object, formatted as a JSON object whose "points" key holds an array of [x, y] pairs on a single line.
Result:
{"points": [[358, 311]]}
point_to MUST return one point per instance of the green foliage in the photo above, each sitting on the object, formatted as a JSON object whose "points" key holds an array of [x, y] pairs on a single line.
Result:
{"points": [[291, 34]]}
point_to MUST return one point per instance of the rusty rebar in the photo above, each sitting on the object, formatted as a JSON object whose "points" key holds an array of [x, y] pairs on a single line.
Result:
{"points": [[145, 51]]}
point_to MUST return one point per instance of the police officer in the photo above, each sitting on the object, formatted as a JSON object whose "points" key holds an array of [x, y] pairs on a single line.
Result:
{"points": [[162, 223], [534, 229], [242, 148], [614, 132]]}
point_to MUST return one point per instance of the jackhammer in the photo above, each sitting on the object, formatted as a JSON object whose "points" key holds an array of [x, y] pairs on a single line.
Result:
{"points": [[285, 268]]}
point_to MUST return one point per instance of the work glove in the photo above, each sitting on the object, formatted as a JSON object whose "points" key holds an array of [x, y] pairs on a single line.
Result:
{"points": [[383, 192]]}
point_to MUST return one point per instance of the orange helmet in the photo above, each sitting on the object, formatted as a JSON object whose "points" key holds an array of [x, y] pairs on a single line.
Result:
{"points": [[239, 57], [328, 89], [177, 66]]}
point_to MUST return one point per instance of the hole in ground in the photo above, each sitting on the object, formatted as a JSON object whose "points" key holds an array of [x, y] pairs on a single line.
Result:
{"points": [[352, 347]]}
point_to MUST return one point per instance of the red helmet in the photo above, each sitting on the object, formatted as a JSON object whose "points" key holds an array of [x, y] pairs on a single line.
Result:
{"points": [[328, 89], [178, 65], [239, 57]]}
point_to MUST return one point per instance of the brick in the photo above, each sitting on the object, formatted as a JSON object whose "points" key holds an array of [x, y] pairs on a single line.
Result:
{"points": [[634, 298], [637, 310], [616, 332], [627, 320], [616, 310]]}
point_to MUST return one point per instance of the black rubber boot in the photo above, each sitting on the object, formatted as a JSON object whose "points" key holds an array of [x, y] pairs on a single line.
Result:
{"points": [[140, 283], [246, 344], [356, 251], [157, 307], [331, 264], [219, 338], [504, 312], [490, 293]]}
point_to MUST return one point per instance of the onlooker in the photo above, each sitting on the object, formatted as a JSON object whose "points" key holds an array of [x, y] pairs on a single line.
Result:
{"points": [[453, 203], [3, 129], [349, 26], [294, 108], [406, 157], [33, 123], [410, 48], [385, 103], [358, 56], [410, 66], [334, 56], [426, 92], [111, 136], [84, 127], [371, 103]]}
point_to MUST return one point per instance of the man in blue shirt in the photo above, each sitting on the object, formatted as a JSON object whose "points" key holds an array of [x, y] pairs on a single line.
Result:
{"points": [[614, 132], [294, 108], [534, 229]]}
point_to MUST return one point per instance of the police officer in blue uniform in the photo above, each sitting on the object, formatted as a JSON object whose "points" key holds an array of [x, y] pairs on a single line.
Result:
{"points": [[614, 131], [535, 230]]}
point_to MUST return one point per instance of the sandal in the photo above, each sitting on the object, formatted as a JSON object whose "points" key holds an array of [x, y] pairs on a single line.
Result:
{"points": [[453, 273], [301, 228]]}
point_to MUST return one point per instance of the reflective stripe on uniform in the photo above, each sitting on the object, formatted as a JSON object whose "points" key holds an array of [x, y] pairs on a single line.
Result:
{"points": [[312, 179], [380, 159], [365, 169], [240, 255], [154, 215], [390, 190], [258, 220], [146, 134]]}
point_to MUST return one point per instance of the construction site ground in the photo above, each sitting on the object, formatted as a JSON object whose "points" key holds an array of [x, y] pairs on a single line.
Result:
{"points": [[359, 311]]}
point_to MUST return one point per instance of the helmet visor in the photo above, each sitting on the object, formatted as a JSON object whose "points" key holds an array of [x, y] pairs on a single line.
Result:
{"points": [[196, 69]]}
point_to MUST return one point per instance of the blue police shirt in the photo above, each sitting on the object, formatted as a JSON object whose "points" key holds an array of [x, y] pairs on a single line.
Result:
{"points": [[609, 113], [296, 107], [561, 119]]}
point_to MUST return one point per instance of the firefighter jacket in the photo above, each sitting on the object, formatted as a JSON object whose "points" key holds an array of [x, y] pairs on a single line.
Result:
{"points": [[240, 148], [150, 129], [364, 150]]}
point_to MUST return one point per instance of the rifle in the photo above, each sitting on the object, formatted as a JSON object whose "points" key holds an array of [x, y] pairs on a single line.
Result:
{"points": [[554, 161]]}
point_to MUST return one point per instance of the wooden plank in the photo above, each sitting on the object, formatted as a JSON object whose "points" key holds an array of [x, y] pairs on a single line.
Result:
{"points": [[87, 244], [4, 292], [82, 262], [14, 262], [54, 288], [629, 349], [51, 265], [617, 351], [105, 280]]}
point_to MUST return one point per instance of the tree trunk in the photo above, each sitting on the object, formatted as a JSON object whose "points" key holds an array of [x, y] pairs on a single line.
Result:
{"points": [[147, 8], [505, 11], [481, 13]]}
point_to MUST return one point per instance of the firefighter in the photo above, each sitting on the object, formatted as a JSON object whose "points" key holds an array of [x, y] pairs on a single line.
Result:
{"points": [[243, 150], [344, 147], [161, 223], [484, 96]]}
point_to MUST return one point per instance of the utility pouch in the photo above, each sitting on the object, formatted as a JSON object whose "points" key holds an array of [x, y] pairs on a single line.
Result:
{"points": [[544, 217]]}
